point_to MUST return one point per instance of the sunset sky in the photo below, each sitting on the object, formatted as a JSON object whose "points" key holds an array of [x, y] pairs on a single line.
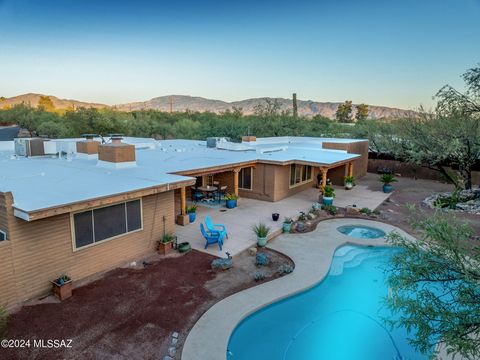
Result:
{"points": [[393, 53]]}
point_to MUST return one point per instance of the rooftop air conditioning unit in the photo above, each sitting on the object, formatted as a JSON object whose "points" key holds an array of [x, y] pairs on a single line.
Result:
{"points": [[29, 147], [212, 141]]}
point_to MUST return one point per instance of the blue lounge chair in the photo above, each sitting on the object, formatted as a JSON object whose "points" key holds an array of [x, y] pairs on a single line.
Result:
{"points": [[216, 228], [212, 238]]}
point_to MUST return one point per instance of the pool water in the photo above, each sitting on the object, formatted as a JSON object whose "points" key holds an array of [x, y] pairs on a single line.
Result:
{"points": [[361, 232], [342, 318]]}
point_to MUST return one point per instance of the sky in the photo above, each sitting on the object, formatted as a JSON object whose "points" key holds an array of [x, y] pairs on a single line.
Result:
{"points": [[380, 52]]}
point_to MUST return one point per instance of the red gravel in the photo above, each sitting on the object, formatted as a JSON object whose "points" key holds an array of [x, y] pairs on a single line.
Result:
{"points": [[128, 313], [131, 313]]}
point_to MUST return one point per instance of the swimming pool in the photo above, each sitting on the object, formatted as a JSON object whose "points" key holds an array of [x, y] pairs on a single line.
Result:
{"points": [[339, 319], [361, 231]]}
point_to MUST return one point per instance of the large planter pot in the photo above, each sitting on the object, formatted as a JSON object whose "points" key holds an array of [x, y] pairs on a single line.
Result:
{"points": [[62, 291], [387, 188], [327, 200], [261, 241], [286, 227], [165, 248], [192, 217], [348, 186], [275, 216], [231, 204], [184, 247]]}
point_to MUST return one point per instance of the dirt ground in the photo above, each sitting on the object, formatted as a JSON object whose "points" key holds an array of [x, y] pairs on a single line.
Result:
{"points": [[131, 313], [410, 191], [394, 210]]}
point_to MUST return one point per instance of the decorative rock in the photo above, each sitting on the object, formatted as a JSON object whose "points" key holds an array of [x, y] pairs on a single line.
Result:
{"points": [[311, 216], [261, 259], [174, 342], [350, 210], [252, 251], [468, 201], [172, 351], [175, 335], [167, 358]]}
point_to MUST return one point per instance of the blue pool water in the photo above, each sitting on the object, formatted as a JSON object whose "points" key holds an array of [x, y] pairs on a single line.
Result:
{"points": [[342, 318], [361, 232]]}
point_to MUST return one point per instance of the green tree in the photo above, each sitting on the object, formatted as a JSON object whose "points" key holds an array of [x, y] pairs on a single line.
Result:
{"points": [[46, 103], [344, 112], [361, 112], [436, 285]]}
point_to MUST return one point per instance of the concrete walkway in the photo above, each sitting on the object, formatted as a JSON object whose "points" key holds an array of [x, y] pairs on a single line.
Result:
{"points": [[312, 253]]}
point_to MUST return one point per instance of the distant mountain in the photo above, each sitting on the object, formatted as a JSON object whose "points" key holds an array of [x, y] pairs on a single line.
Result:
{"points": [[182, 102], [32, 100], [305, 107]]}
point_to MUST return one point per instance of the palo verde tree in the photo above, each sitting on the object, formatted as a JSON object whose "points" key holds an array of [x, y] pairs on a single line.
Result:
{"points": [[361, 112], [450, 136], [436, 285], [344, 112]]}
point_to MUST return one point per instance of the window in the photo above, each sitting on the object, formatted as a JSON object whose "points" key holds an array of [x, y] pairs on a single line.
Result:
{"points": [[300, 174], [245, 178], [3, 235], [100, 224]]}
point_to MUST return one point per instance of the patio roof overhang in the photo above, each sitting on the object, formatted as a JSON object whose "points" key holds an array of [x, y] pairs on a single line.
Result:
{"points": [[96, 202]]}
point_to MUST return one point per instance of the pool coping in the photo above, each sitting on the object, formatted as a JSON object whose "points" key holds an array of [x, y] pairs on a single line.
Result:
{"points": [[312, 254]]}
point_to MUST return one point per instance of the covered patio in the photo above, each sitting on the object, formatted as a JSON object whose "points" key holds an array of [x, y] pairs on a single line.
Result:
{"points": [[239, 221]]}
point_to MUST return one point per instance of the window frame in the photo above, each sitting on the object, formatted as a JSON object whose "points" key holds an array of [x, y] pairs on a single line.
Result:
{"points": [[301, 169], [251, 178], [72, 224], [5, 235]]}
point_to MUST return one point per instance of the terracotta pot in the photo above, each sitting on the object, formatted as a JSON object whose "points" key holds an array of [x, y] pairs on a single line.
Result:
{"points": [[62, 291], [165, 248]]}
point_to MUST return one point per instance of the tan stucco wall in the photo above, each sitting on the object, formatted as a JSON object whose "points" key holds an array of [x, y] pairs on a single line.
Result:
{"points": [[42, 250], [360, 147]]}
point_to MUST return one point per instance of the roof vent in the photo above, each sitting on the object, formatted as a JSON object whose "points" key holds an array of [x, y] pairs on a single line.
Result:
{"points": [[116, 155], [88, 148]]}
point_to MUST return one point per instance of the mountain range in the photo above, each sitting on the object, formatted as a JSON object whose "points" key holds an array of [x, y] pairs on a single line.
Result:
{"points": [[307, 108]]}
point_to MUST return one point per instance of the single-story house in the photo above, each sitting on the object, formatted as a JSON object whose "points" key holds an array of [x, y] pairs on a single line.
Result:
{"points": [[84, 206]]}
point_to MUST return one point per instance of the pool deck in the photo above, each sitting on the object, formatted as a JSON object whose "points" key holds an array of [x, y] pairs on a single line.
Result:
{"points": [[312, 253]]}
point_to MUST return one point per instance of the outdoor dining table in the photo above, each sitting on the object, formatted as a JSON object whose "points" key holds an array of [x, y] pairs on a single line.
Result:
{"points": [[208, 190]]}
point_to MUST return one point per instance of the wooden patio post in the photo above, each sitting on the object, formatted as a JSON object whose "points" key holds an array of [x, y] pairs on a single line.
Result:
{"points": [[183, 200], [324, 176], [235, 180], [350, 169]]}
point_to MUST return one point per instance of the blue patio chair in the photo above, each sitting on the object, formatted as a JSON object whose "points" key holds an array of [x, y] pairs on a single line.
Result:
{"points": [[197, 195], [216, 228], [212, 238]]}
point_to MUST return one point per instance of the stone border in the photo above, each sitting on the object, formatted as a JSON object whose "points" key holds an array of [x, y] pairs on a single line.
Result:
{"points": [[312, 254]]}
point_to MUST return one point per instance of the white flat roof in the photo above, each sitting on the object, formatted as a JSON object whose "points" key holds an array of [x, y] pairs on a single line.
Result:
{"points": [[43, 182]]}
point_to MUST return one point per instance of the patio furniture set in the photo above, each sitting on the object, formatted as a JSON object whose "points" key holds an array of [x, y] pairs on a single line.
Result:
{"points": [[209, 194]]}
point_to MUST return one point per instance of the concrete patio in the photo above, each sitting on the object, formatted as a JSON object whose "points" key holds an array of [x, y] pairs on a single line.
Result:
{"points": [[239, 221]]}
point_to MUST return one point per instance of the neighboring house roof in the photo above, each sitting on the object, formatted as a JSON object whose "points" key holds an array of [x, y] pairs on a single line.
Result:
{"points": [[44, 182]]}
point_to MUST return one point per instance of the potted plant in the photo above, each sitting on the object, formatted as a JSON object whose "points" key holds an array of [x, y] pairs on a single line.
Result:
{"points": [[231, 200], [62, 287], [275, 216], [261, 230], [328, 195], [192, 213], [287, 224], [165, 244], [387, 179], [349, 182]]}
